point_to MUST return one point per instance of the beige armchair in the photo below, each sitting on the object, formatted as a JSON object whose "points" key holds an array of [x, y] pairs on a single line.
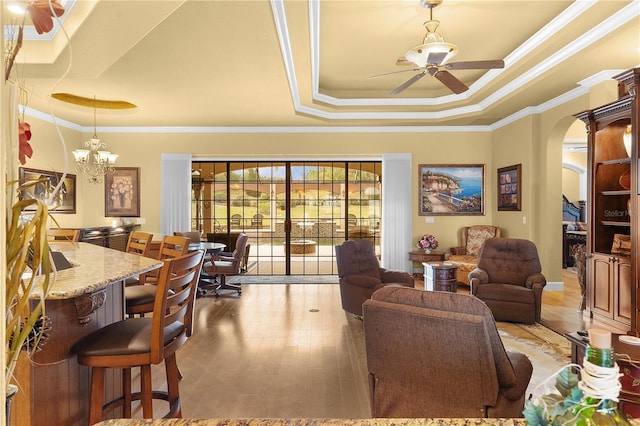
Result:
{"points": [[439, 355], [465, 257], [360, 274], [509, 279]]}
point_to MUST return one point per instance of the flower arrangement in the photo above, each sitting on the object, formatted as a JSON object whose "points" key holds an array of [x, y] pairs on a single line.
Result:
{"points": [[427, 242]]}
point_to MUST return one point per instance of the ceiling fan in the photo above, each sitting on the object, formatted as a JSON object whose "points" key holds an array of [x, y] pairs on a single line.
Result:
{"points": [[433, 55]]}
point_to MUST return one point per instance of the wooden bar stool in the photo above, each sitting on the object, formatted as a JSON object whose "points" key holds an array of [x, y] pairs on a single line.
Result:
{"points": [[60, 234], [139, 299], [142, 342], [138, 243]]}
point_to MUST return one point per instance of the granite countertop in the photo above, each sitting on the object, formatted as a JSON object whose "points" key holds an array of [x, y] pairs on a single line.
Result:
{"points": [[94, 268], [313, 422]]}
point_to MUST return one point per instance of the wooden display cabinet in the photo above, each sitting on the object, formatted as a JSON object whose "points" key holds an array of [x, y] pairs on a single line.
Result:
{"points": [[612, 208]]}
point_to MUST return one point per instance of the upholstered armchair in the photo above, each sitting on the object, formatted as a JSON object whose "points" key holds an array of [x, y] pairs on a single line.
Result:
{"points": [[360, 274], [509, 279], [438, 355], [465, 257]]}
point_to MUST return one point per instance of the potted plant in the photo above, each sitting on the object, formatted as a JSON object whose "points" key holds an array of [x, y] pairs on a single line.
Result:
{"points": [[28, 274], [29, 267]]}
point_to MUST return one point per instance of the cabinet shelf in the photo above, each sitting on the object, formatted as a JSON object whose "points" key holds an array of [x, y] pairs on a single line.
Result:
{"points": [[615, 223], [616, 192], [614, 161]]}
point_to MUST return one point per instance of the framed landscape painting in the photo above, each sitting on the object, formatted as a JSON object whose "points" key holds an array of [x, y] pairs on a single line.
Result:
{"points": [[122, 192], [63, 201], [446, 190], [510, 188]]}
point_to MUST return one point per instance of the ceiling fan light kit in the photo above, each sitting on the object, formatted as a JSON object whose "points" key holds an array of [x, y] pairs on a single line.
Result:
{"points": [[433, 55]]}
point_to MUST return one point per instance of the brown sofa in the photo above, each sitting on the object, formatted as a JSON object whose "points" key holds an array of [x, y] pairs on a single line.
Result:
{"points": [[509, 279], [360, 274], [438, 354], [465, 257]]}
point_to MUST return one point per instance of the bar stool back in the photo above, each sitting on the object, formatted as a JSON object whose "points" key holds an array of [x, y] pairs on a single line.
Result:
{"points": [[145, 341], [138, 243], [60, 234], [139, 299]]}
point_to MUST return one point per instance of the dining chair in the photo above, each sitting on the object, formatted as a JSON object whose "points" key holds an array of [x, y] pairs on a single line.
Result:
{"points": [[218, 267], [138, 243], [60, 234], [140, 299], [145, 342], [194, 236]]}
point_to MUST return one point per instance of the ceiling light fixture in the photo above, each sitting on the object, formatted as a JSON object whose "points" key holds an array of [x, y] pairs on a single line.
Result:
{"points": [[433, 50], [94, 162], [17, 7]]}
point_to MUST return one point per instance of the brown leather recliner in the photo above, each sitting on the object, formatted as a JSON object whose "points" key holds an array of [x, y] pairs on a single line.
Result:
{"points": [[360, 274], [439, 355], [509, 279]]}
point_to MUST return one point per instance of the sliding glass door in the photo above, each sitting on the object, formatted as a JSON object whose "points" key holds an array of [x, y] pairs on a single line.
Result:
{"points": [[294, 212]]}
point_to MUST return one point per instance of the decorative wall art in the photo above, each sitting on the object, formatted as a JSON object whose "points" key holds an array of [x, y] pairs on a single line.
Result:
{"points": [[510, 188], [64, 201], [447, 190], [122, 192]]}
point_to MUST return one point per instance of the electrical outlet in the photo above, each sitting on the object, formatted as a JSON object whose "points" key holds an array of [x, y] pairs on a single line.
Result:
{"points": [[430, 219], [524, 220]]}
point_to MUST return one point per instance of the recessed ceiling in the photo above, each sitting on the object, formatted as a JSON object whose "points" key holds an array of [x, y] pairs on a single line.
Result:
{"points": [[213, 63]]}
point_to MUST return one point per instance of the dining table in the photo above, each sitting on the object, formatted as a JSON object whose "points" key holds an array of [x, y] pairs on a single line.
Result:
{"points": [[207, 247]]}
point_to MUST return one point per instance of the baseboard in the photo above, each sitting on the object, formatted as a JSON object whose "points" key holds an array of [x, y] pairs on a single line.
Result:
{"points": [[554, 286]]}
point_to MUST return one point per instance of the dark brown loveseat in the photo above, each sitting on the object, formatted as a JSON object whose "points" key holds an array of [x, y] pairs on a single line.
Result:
{"points": [[360, 274]]}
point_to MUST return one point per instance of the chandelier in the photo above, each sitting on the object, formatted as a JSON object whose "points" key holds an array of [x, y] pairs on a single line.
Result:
{"points": [[95, 162]]}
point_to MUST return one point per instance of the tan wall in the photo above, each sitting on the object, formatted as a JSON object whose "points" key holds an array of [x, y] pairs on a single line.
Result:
{"points": [[534, 141]]}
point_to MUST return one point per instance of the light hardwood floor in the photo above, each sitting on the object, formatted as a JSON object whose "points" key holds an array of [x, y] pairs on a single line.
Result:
{"points": [[289, 350]]}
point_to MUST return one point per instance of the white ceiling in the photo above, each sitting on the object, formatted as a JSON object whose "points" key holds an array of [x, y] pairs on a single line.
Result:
{"points": [[215, 63]]}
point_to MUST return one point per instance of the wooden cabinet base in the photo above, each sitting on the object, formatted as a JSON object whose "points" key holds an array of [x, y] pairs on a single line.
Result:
{"points": [[54, 388]]}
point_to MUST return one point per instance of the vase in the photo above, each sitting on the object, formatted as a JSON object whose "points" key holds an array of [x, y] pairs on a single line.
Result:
{"points": [[12, 390], [427, 251]]}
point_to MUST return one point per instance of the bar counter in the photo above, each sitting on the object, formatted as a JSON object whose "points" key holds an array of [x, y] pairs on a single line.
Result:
{"points": [[54, 388]]}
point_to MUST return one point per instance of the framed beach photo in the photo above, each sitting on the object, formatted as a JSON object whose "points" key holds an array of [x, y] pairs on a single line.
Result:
{"points": [[510, 188], [122, 192], [451, 189], [62, 201]]}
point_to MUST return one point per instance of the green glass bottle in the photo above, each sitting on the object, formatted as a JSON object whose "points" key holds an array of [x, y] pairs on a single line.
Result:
{"points": [[599, 411]]}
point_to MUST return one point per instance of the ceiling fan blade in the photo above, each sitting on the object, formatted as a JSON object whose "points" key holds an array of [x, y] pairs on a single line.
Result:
{"points": [[393, 72], [475, 65], [404, 61], [450, 81], [408, 83]]}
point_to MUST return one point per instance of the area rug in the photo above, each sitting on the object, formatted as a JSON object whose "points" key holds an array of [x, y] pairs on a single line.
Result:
{"points": [[547, 350]]}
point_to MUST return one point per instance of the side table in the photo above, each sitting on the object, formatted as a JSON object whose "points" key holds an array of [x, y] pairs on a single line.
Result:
{"points": [[419, 256], [440, 276], [628, 358]]}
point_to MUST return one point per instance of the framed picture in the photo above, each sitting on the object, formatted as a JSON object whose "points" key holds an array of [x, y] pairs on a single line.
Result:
{"points": [[122, 192], [63, 201], [447, 190], [510, 188]]}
